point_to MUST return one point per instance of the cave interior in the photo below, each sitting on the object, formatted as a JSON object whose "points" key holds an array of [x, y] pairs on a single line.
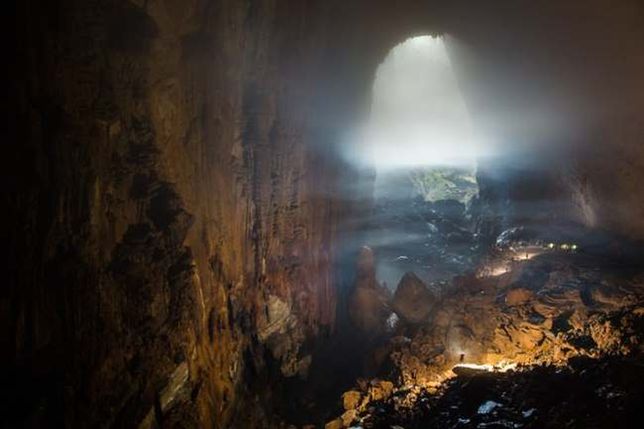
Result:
{"points": [[324, 214]]}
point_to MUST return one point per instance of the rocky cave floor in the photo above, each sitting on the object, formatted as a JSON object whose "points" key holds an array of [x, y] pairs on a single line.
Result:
{"points": [[587, 393], [553, 341]]}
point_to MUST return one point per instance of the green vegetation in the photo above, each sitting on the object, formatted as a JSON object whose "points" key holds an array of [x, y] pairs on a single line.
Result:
{"points": [[445, 183]]}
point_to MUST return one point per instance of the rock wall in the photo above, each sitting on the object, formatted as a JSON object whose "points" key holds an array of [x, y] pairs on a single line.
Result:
{"points": [[169, 210]]}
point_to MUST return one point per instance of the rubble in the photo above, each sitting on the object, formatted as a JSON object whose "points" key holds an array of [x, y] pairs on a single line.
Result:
{"points": [[546, 316]]}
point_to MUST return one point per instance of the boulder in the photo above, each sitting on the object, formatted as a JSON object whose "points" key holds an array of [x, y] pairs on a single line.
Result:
{"points": [[380, 390], [413, 301], [351, 399], [349, 417]]}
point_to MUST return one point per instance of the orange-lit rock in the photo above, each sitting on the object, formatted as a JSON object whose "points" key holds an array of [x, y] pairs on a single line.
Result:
{"points": [[551, 324], [518, 296], [351, 399], [380, 390]]}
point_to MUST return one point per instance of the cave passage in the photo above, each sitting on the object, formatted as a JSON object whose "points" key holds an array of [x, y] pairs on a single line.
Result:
{"points": [[288, 214]]}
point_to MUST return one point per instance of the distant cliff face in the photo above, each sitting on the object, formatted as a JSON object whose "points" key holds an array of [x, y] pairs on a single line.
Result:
{"points": [[175, 198]]}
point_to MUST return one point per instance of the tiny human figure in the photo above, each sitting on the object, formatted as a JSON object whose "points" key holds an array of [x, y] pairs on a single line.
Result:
{"points": [[462, 356]]}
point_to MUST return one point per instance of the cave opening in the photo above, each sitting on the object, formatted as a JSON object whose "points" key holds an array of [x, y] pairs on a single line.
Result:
{"points": [[422, 145]]}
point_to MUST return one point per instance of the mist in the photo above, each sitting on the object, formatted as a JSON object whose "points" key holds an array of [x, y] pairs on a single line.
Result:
{"points": [[418, 114]]}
